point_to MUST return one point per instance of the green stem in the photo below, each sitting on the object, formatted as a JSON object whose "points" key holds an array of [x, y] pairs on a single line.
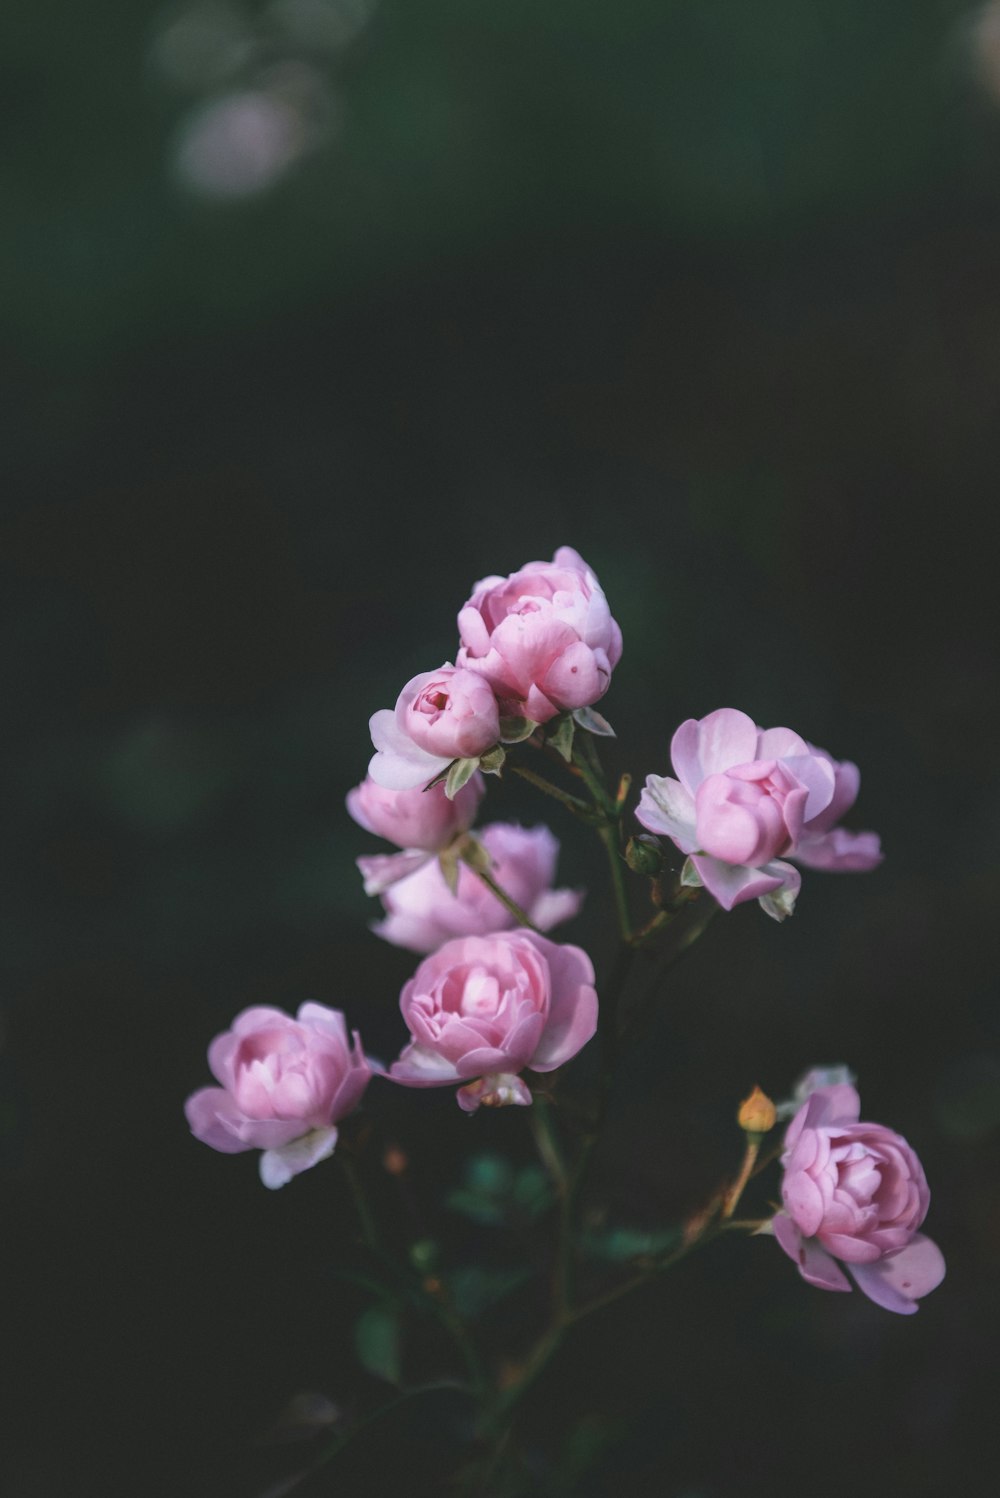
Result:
{"points": [[413, 1289], [366, 1221], [551, 1157], [576, 806], [521, 916], [608, 833]]}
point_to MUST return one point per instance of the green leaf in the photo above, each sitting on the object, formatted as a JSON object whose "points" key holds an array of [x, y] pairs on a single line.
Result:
{"points": [[448, 863], [515, 730], [378, 1339], [593, 722], [474, 1289], [459, 772], [491, 763], [618, 1245], [561, 737], [532, 1192]]}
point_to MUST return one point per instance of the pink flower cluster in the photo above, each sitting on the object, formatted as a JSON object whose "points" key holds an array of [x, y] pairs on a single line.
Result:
{"points": [[746, 799], [855, 1192], [532, 645]]}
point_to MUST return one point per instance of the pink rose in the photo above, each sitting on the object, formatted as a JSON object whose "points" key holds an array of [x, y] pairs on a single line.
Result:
{"points": [[439, 716], [823, 845], [420, 822], [746, 799], [285, 1082], [855, 1192], [485, 1007], [543, 638], [422, 912]]}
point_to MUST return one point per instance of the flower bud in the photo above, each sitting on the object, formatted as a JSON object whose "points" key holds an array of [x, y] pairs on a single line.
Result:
{"points": [[644, 855], [757, 1113]]}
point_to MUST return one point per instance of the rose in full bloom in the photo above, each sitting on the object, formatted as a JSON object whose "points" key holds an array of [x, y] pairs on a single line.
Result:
{"points": [[484, 1007], [419, 822], [284, 1084], [746, 799], [543, 638], [439, 716], [422, 912], [855, 1192]]}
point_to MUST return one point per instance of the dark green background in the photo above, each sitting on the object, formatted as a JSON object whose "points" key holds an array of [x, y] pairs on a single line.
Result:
{"points": [[710, 292]]}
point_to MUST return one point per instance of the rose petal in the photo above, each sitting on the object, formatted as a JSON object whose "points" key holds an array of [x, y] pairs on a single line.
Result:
{"points": [[898, 1281], [278, 1166]]}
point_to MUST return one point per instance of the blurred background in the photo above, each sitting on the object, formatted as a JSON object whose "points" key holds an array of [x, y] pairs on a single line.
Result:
{"points": [[314, 312]]}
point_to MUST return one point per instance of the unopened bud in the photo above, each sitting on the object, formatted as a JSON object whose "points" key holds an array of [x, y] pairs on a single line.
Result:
{"points": [[395, 1161], [757, 1113], [644, 855]]}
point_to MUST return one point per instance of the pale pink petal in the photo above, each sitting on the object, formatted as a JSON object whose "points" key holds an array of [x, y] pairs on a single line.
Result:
{"points": [[214, 1119], [817, 776], [803, 1200], [779, 743], [814, 1263], [898, 1281], [278, 1166], [667, 807], [572, 1017], [553, 906], [419, 1066], [380, 870], [839, 851], [733, 884], [725, 738], [399, 764]]}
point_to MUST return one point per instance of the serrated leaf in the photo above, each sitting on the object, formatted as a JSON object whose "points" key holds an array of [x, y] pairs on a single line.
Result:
{"points": [[561, 738], [378, 1339], [594, 722], [515, 730], [460, 771]]}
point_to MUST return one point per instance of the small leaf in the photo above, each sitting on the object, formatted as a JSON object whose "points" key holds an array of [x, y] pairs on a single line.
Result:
{"points": [[459, 772], [562, 737], [449, 863], [515, 730], [378, 1339], [474, 1289], [690, 878], [532, 1193], [593, 722], [491, 1175], [621, 1244], [491, 763]]}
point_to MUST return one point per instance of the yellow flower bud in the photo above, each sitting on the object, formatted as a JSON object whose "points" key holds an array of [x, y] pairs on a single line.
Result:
{"points": [[757, 1113]]}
